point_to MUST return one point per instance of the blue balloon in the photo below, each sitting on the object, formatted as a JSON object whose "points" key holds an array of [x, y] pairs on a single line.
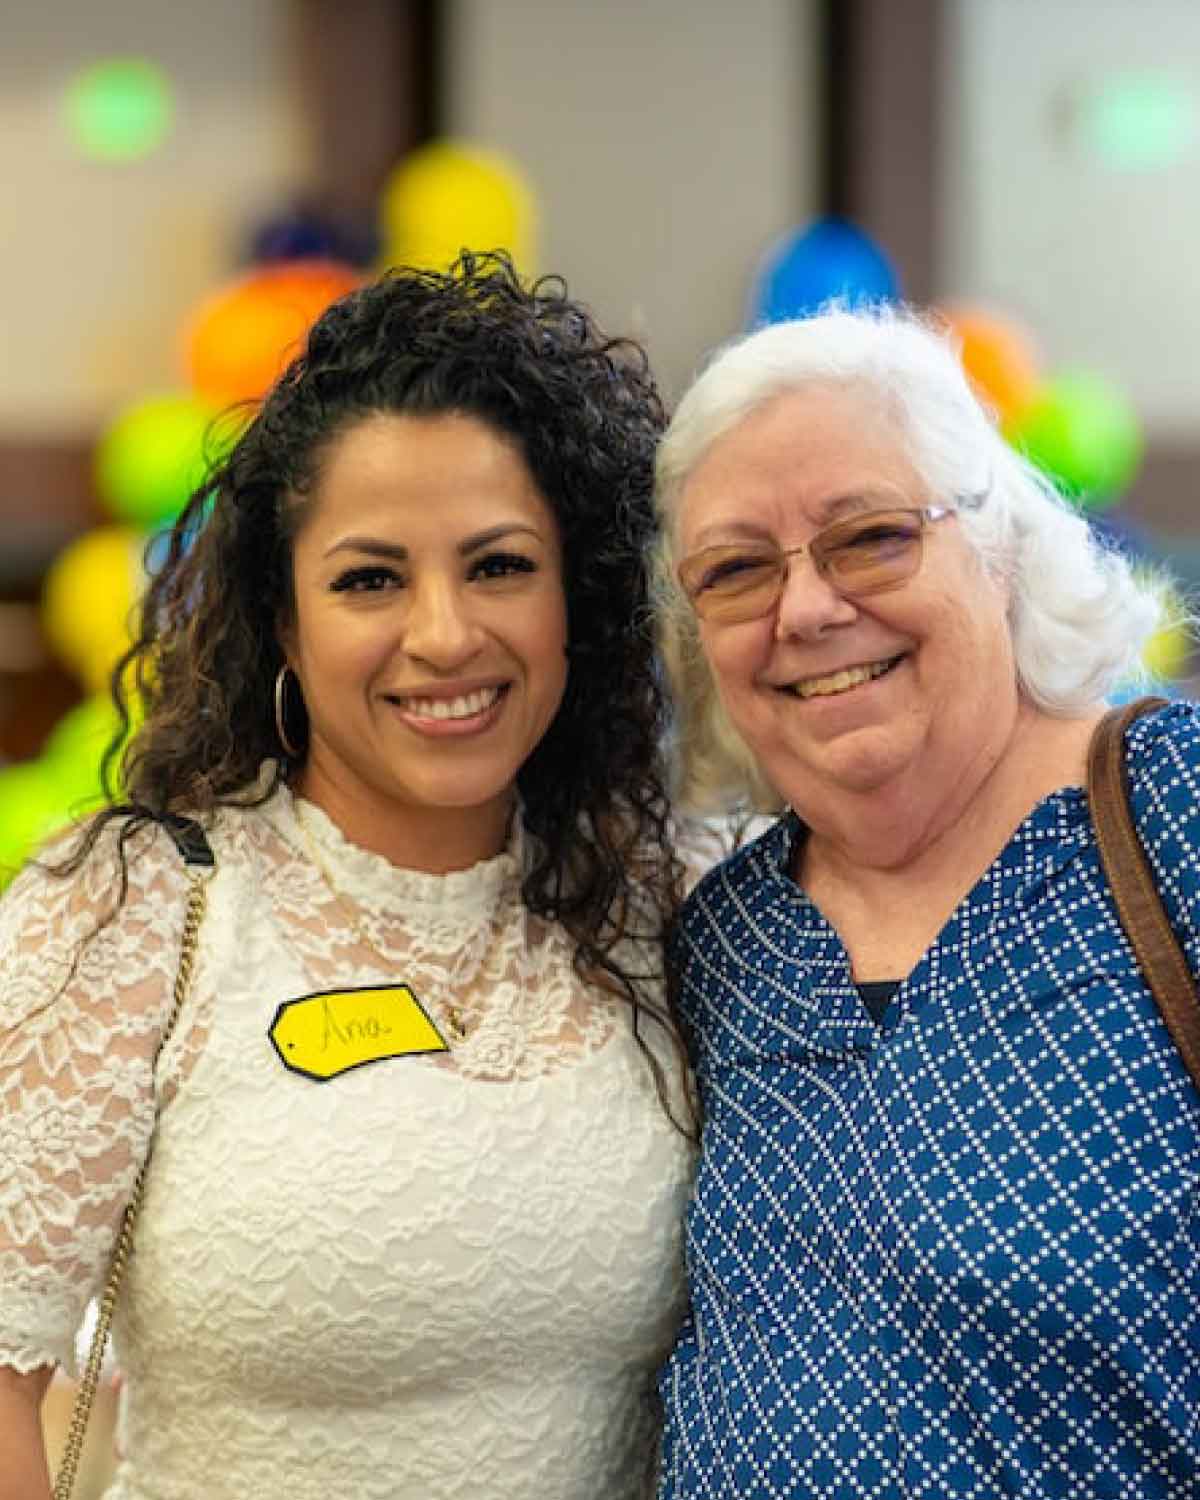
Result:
{"points": [[1126, 692], [300, 233], [1117, 531], [831, 258], [154, 556]]}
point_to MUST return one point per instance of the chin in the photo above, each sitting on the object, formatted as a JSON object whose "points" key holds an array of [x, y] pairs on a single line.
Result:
{"points": [[856, 768], [466, 798]]}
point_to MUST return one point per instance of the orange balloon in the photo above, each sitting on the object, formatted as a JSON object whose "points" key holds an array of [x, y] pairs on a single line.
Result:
{"points": [[241, 339], [999, 358]]}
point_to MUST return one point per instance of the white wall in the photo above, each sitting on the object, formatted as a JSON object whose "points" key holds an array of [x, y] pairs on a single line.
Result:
{"points": [[668, 143], [99, 263], [1101, 263]]}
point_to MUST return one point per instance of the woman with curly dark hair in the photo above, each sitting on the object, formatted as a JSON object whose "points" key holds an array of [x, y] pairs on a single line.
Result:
{"points": [[397, 685]]}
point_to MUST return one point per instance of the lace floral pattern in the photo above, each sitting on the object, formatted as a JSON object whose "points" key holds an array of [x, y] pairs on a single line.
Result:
{"points": [[464, 941], [429, 1276]]}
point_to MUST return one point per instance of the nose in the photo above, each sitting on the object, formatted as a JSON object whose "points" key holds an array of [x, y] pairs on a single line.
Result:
{"points": [[438, 626], [808, 603]]}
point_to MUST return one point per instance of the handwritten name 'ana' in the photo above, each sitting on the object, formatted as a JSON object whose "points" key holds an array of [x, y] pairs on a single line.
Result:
{"points": [[347, 1033]]}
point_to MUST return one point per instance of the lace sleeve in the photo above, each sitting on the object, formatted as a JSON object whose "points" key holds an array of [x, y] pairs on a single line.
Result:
{"points": [[84, 991]]}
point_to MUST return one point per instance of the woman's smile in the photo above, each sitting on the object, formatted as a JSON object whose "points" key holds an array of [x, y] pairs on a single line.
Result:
{"points": [[844, 680], [451, 714]]}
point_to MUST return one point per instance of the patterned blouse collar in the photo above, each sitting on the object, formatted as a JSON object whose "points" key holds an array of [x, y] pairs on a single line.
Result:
{"points": [[1052, 833]]}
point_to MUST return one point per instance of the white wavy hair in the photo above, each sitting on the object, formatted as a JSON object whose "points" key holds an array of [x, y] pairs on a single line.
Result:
{"points": [[1079, 616]]}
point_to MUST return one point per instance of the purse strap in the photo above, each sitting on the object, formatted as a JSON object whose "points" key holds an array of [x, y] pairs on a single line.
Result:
{"points": [[194, 847], [1163, 965]]}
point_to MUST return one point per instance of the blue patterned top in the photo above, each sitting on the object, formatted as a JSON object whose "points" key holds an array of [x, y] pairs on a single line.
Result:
{"points": [[955, 1254]]}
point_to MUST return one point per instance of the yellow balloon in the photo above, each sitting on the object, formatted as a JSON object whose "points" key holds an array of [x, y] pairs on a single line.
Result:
{"points": [[447, 197], [1167, 652], [89, 599]]}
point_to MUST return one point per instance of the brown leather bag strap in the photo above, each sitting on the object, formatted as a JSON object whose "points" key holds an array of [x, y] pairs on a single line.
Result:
{"points": [[1163, 965]]}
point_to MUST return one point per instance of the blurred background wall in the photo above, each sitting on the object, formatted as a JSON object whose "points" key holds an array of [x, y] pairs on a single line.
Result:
{"points": [[101, 258], [669, 142], [665, 144], [666, 141], [1072, 168], [1071, 163]]}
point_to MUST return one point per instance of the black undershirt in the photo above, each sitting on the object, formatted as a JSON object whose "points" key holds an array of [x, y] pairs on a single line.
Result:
{"points": [[876, 996]]}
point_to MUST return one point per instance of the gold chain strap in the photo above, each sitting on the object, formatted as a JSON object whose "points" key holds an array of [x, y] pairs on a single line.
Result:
{"points": [[68, 1468]]}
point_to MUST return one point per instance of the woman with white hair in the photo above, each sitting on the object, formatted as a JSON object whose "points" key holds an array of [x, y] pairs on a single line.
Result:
{"points": [[945, 1237]]}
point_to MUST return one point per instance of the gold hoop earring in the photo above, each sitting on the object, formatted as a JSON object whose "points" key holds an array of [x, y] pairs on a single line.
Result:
{"points": [[291, 750]]}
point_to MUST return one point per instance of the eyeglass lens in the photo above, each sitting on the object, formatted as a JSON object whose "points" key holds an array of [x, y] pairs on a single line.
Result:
{"points": [[863, 554]]}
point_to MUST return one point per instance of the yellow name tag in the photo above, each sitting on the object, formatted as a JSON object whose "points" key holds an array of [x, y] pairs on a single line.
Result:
{"points": [[330, 1033]]}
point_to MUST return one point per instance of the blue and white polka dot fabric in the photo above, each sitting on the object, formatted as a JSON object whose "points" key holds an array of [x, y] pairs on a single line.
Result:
{"points": [[956, 1254]]}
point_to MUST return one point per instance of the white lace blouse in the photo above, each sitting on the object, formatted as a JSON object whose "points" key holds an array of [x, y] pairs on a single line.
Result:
{"points": [[432, 1276]]}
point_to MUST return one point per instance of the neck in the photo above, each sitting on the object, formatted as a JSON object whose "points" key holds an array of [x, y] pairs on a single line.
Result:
{"points": [[432, 840], [945, 829]]}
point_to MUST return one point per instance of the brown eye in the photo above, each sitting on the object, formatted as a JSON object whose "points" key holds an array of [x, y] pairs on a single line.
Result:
{"points": [[502, 565], [365, 580]]}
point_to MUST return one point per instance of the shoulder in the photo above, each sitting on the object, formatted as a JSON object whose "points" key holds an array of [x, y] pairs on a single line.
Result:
{"points": [[1168, 736], [87, 866], [87, 910], [740, 881], [1162, 760], [726, 921]]}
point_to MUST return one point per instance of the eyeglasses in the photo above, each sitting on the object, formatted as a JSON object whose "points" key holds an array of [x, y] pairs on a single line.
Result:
{"points": [[864, 554]]}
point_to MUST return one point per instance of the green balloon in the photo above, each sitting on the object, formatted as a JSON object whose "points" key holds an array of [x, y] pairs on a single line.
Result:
{"points": [[31, 808], [74, 750], [120, 108], [151, 459], [1081, 432]]}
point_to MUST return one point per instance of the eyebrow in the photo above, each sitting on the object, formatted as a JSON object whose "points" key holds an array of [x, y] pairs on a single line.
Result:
{"points": [[395, 552], [825, 513], [858, 500]]}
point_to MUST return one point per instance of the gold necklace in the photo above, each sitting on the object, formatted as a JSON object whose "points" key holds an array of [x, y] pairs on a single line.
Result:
{"points": [[455, 1023]]}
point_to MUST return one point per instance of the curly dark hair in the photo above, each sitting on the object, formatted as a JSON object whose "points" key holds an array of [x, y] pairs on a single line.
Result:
{"points": [[585, 414]]}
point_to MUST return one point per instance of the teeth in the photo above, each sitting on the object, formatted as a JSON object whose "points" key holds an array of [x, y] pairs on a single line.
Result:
{"points": [[452, 708], [840, 682]]}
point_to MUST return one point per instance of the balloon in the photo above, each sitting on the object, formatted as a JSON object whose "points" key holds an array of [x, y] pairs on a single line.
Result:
{"points": [[240, 340], [831, 258], [1126, 692], [88, 601], [300, 233], [998, 357], [1082, 432], [1167, 653], [74, 750], [31, 808], [156, 453], [1117, 531], [448, 196], [120, 109]]}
